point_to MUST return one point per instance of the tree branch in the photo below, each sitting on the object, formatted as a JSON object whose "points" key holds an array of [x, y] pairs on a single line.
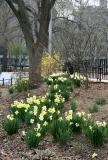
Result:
{"points": [[9, 2], [52, 3]]}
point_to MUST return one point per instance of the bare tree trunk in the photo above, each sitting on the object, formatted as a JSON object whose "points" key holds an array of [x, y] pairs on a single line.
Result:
{"points": [[35, 45], [35, 66]]}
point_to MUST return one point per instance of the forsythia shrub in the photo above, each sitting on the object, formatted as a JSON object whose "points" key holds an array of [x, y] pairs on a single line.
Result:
{"points": [[50, 63]]}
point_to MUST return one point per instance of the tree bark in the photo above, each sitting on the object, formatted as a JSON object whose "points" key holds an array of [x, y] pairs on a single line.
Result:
{"points": [[35, 57]]}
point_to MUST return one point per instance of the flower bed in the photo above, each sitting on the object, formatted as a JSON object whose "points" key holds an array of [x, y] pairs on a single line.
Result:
{"points": [[43, 114]]}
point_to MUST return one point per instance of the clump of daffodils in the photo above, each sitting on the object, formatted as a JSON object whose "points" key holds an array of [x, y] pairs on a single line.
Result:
{"points": [[77, 76], [11, 124], [10, 117], [101, 124], [69, 115], [59, 74], [59, 99]]}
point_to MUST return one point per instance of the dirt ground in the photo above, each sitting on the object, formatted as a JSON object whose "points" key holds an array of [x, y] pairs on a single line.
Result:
{"points": [[78, 148]]}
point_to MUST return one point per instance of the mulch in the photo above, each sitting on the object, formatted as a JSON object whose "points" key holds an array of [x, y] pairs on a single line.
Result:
{"points": [[78, 148]]}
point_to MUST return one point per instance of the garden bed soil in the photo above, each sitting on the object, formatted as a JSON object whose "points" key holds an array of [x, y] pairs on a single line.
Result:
{"points": [[78, 148]]}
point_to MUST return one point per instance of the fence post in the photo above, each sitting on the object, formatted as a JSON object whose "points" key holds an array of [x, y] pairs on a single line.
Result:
{"points": [[3, 82], [11, 81]]}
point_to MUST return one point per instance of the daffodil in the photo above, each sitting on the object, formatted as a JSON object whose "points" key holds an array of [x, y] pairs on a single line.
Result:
{"points": [[57, 100], [31, 121], [35, 110], [16, 112], [44, 108], [45, 123], [77, 124], [94, 155], [38, 134], [37, 101], [41, 117], [50, 117], [52, 110], [38, 127], [68, 115], [90, 127], [10, 117]]}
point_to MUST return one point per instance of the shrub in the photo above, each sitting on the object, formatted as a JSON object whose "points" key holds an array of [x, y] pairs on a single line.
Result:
{"points": [[93, 109], [73, 106], [32, 138], [11, 90], [60, 131], [21, 85], [11, 125], [101, 101], [50, 63]]}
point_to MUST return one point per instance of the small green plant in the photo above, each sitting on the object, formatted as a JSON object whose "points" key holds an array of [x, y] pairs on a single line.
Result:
{"points": [[60, 131], [18, 113], [73, 106], [93, 109], [22, 85], [11, 90], [63, 136], [77, 82], [101, 101], [65, 95], [78, 148], [76, 123], [29, 118], [11, 125], [97, 137], [32, 138], [96, 132]]}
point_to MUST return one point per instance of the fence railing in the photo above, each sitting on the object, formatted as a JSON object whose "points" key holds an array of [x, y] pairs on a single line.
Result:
{"points": [[11, 81]]}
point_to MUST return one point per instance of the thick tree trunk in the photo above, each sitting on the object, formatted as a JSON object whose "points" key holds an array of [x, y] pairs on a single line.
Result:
{"points": [[35, 57], [41, 39]]}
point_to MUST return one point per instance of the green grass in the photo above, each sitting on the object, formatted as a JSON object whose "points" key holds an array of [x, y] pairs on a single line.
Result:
{"points": [[101, 101], [93, 109], [73, 106]]}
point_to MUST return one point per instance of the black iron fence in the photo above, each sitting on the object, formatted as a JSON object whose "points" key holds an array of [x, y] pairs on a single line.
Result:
{"points": [[94, 68], [11, 81], [9, 64], [99, 70]]}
